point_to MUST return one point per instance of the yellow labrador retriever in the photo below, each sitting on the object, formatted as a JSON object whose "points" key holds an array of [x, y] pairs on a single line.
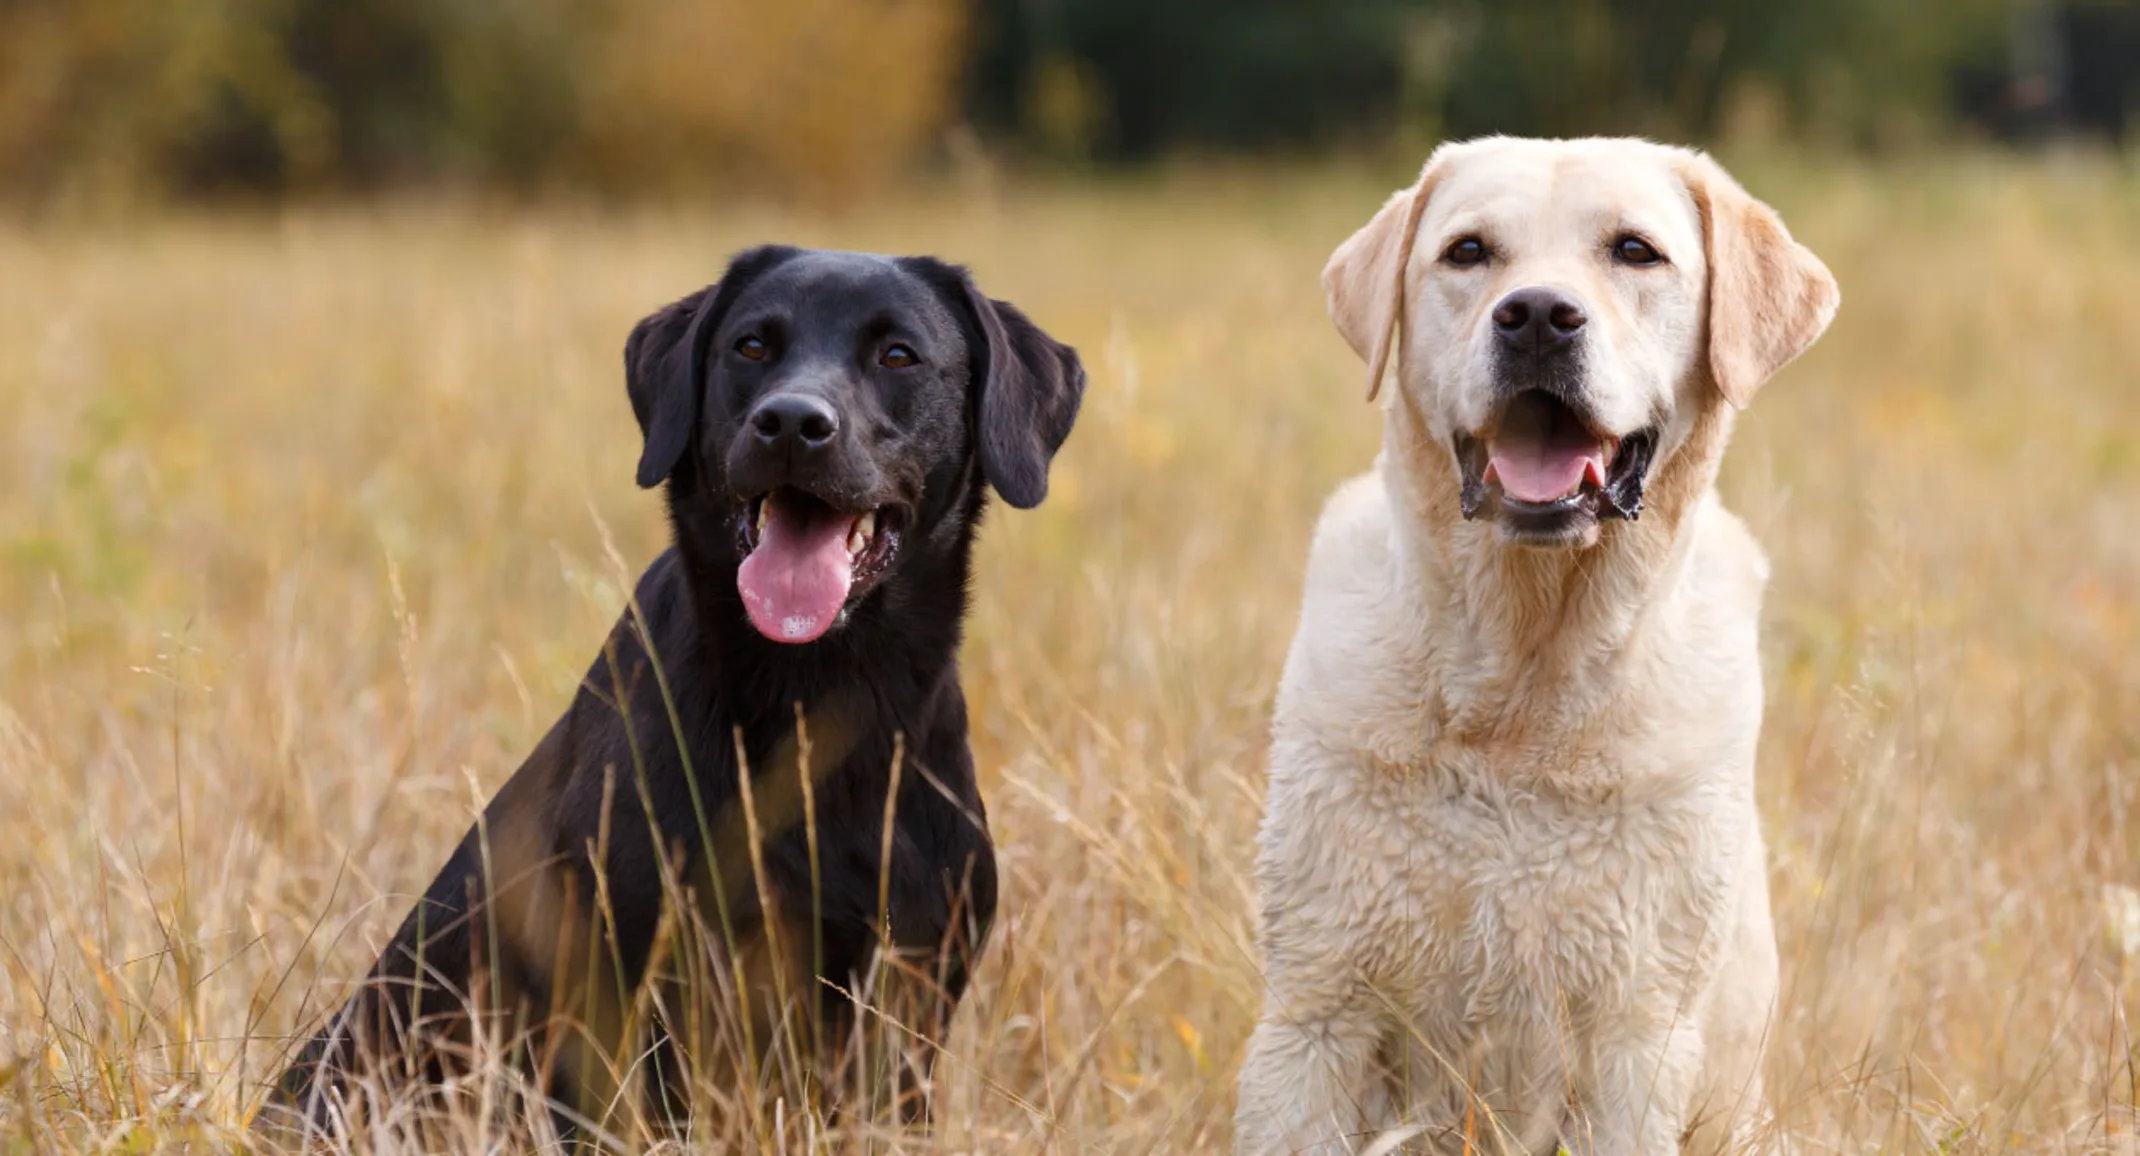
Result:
{"points": [[1514, 891]]}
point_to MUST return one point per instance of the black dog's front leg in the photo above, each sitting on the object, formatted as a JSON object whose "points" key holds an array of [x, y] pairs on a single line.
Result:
{"points": [[472, 958]]}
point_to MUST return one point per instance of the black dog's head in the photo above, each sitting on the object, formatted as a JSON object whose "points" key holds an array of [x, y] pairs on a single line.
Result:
{"points": [[831, 408]]}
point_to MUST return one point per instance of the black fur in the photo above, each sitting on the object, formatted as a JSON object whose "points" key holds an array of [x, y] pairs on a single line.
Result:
{"points": [[991, 401]]}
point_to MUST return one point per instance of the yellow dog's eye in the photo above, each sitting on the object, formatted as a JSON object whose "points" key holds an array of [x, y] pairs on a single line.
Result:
{"points": [[752, 348], [1464, 252], [1632, 250], [898, 357]]}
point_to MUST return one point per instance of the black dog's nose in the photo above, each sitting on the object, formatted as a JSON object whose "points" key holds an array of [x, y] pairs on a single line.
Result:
{"points": [[1538, 320], [795, 420]]}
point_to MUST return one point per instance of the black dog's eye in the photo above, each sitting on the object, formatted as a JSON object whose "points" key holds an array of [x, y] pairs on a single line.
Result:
{"points": [[752, 348], [1629, 249], [1464, 252], [898, 357]]}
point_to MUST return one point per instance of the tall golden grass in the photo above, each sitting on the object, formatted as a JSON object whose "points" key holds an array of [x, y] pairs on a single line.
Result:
{"points": [[302, 526]]}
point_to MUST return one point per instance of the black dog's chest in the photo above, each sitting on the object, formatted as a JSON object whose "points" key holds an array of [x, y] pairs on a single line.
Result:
{"points": [[900, 849]]}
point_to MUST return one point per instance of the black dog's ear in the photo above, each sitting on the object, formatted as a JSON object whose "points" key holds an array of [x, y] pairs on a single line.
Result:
{"points": [[665, 361], [661, 372], [1030, 385]]}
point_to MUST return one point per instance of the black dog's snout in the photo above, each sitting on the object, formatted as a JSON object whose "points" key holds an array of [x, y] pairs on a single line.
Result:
{"points": [[1538, 320], [795, 421]]}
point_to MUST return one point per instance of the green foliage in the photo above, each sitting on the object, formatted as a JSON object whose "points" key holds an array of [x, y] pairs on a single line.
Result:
{"points": [[150, 97], [1214, 73], [1852, 70], [1285, 72]]}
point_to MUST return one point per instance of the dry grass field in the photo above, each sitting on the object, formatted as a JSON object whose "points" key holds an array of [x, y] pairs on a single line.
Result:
{"points": [[306, 530]]}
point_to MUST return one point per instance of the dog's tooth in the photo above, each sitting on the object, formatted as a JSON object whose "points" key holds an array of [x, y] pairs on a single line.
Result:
{"points": [[866, 525], [765, 513], [856, 542]]}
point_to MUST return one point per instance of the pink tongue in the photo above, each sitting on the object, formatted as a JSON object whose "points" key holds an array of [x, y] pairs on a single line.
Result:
{"points": [[1541, 471], [795, 582]]}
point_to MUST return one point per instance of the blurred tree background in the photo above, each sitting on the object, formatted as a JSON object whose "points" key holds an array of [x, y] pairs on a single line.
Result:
{"points": [[160, 99]]}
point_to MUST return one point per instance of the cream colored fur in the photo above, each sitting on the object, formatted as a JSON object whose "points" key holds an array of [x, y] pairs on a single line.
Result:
{"points": [[1513, 881]]}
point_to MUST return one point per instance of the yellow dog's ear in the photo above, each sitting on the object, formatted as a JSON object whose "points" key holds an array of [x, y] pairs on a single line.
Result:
{"points": [[1770, 298], [1364, 281]]}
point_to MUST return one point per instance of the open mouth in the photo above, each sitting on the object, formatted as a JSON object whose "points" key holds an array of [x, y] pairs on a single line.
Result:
{"points": [[806, 564], [1547, 473]]}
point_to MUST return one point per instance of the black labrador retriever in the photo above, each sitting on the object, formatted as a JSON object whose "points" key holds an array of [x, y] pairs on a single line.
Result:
{"points": [[826, 423]]}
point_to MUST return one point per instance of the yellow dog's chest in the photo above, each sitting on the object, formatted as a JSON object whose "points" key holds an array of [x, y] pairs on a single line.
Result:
{"points": [[1510, 895]]}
